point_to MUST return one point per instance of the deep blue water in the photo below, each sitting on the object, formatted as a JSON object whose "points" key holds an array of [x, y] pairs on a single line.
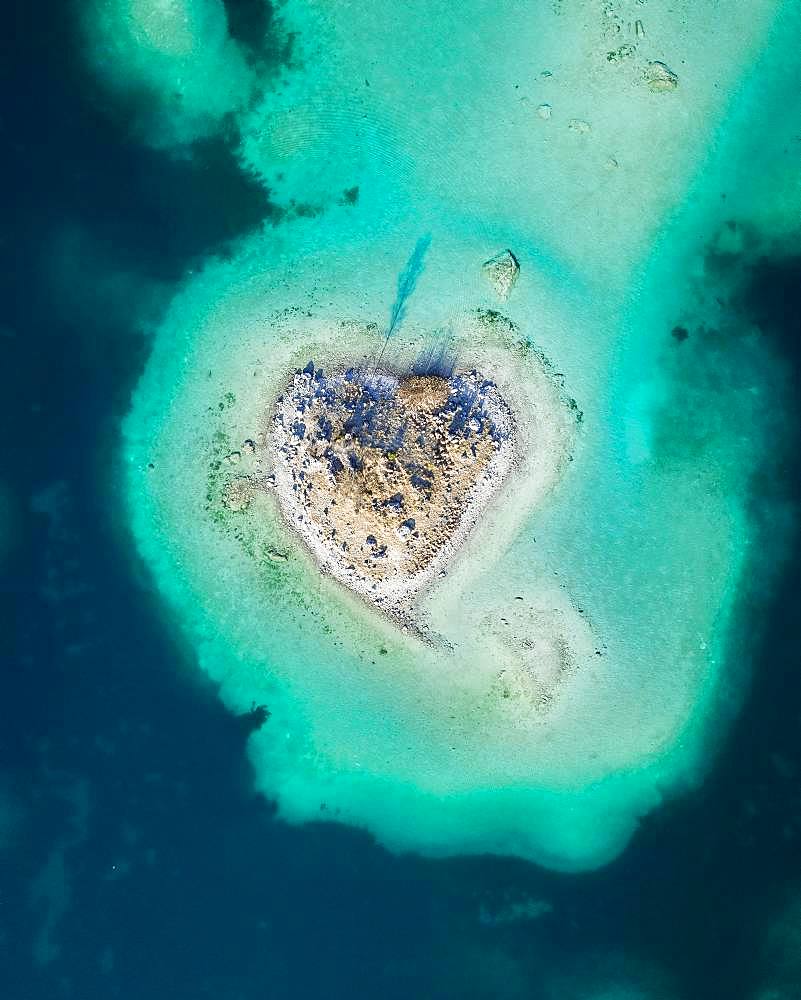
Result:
{"points": [[141, 864]]}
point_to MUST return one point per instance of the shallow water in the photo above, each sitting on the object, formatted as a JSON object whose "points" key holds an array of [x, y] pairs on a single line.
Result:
{"points": [[136, 858]]}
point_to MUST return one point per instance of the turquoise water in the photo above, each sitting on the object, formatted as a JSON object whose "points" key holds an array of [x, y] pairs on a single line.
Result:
{"points": [[137, 857], [592, 645]]}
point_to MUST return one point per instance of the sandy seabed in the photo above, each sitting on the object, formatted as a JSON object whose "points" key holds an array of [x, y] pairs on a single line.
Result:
{"points": [[584, 624]]}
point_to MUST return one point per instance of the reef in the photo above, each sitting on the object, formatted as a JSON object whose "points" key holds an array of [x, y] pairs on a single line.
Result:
{"points": [[581, 655]]}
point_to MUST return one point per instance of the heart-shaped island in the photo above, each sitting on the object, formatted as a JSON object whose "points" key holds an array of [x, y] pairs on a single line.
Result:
{"points": [[384, 474]]}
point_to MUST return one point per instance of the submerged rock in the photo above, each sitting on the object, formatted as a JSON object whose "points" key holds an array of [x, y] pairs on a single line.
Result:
{"points": [[579, 125], [502, 271], [513, 911], [238, 493], [660, 77]]}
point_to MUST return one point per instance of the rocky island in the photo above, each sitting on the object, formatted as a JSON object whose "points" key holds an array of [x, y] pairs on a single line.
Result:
{"points": [[383, 474]]}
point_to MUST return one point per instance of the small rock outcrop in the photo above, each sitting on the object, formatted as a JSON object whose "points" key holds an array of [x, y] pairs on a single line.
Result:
{"points": [[502, 271]]}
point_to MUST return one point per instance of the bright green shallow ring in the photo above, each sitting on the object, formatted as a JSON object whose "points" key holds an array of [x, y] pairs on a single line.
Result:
{"points": [[581, 632]]}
